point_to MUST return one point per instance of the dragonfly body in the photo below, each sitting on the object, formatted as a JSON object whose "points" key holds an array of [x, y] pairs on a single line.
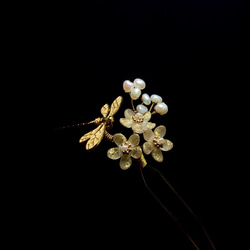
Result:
{"points": [[107, 120]]}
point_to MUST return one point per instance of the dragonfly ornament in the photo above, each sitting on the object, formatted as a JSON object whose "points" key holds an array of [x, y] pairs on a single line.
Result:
{"points": [[103, 124]]}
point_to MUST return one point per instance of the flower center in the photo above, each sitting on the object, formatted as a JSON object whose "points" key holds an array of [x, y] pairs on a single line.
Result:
{"points": [[158, 141], [125, 148], [138, 118]]}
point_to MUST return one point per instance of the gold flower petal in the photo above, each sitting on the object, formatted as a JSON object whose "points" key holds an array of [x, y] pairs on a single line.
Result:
{"points": [[160, 131], [128, 113], [147, 147], [167, 145], [125, 162], [126, 122], [157, 154], [114, 153], [151, 125], [119, 139], [137, 128], [136, 152], [148, 135], [134, 139], [147, 116]]}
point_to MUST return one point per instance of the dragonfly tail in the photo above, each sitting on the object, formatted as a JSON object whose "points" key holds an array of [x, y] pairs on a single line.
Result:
{"points": [[75, 125]]}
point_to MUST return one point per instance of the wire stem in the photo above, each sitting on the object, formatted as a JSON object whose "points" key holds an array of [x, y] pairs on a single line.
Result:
{"points": [[151, 106], [169, 212], [184, 203], [132, 103]]}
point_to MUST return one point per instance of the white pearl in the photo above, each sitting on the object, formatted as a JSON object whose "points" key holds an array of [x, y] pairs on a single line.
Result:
{"points": [[139, 115], [127, 86], [123, 147], [139, 83], [146, 99], [135, 93], [141, 109], [161, 141], [161, 108], [156, 98]]}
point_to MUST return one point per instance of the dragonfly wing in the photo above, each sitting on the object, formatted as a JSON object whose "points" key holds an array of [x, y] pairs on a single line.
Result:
{"points": [[105, 110], [88, 135], [115, 105], [96, 137]]}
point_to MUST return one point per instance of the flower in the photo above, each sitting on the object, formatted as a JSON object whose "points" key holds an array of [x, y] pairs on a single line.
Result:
{"points": [[155, 143], [137, 121], [125, 150]]}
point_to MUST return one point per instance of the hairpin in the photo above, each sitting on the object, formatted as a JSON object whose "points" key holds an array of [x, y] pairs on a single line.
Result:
{"points": [[138, 119]]}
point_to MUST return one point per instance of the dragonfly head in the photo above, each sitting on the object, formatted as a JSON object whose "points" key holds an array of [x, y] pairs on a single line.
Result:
{"points": [[98, 121]]}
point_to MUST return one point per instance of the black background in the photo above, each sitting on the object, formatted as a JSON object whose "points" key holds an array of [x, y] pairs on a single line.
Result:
{"points": [[191, 53]]}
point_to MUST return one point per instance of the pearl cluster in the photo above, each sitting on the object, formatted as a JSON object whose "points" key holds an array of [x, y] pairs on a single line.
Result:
{"points": [[134, 89], [160, 107]]}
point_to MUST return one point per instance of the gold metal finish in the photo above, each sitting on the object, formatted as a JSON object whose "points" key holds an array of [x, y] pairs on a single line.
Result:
{"points": [[95, 136]]}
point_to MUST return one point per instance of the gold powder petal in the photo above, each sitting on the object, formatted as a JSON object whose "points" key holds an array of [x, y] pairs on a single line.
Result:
{"points": [[126, 122], [160, 131], [157, 154], [167, 145], [114, 153], [136, 152], [119, 139], [134, 139], [125, 162], [147, 147]]}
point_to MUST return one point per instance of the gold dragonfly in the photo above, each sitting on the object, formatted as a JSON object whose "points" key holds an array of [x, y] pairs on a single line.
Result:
{"points": [[103, 124]]}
